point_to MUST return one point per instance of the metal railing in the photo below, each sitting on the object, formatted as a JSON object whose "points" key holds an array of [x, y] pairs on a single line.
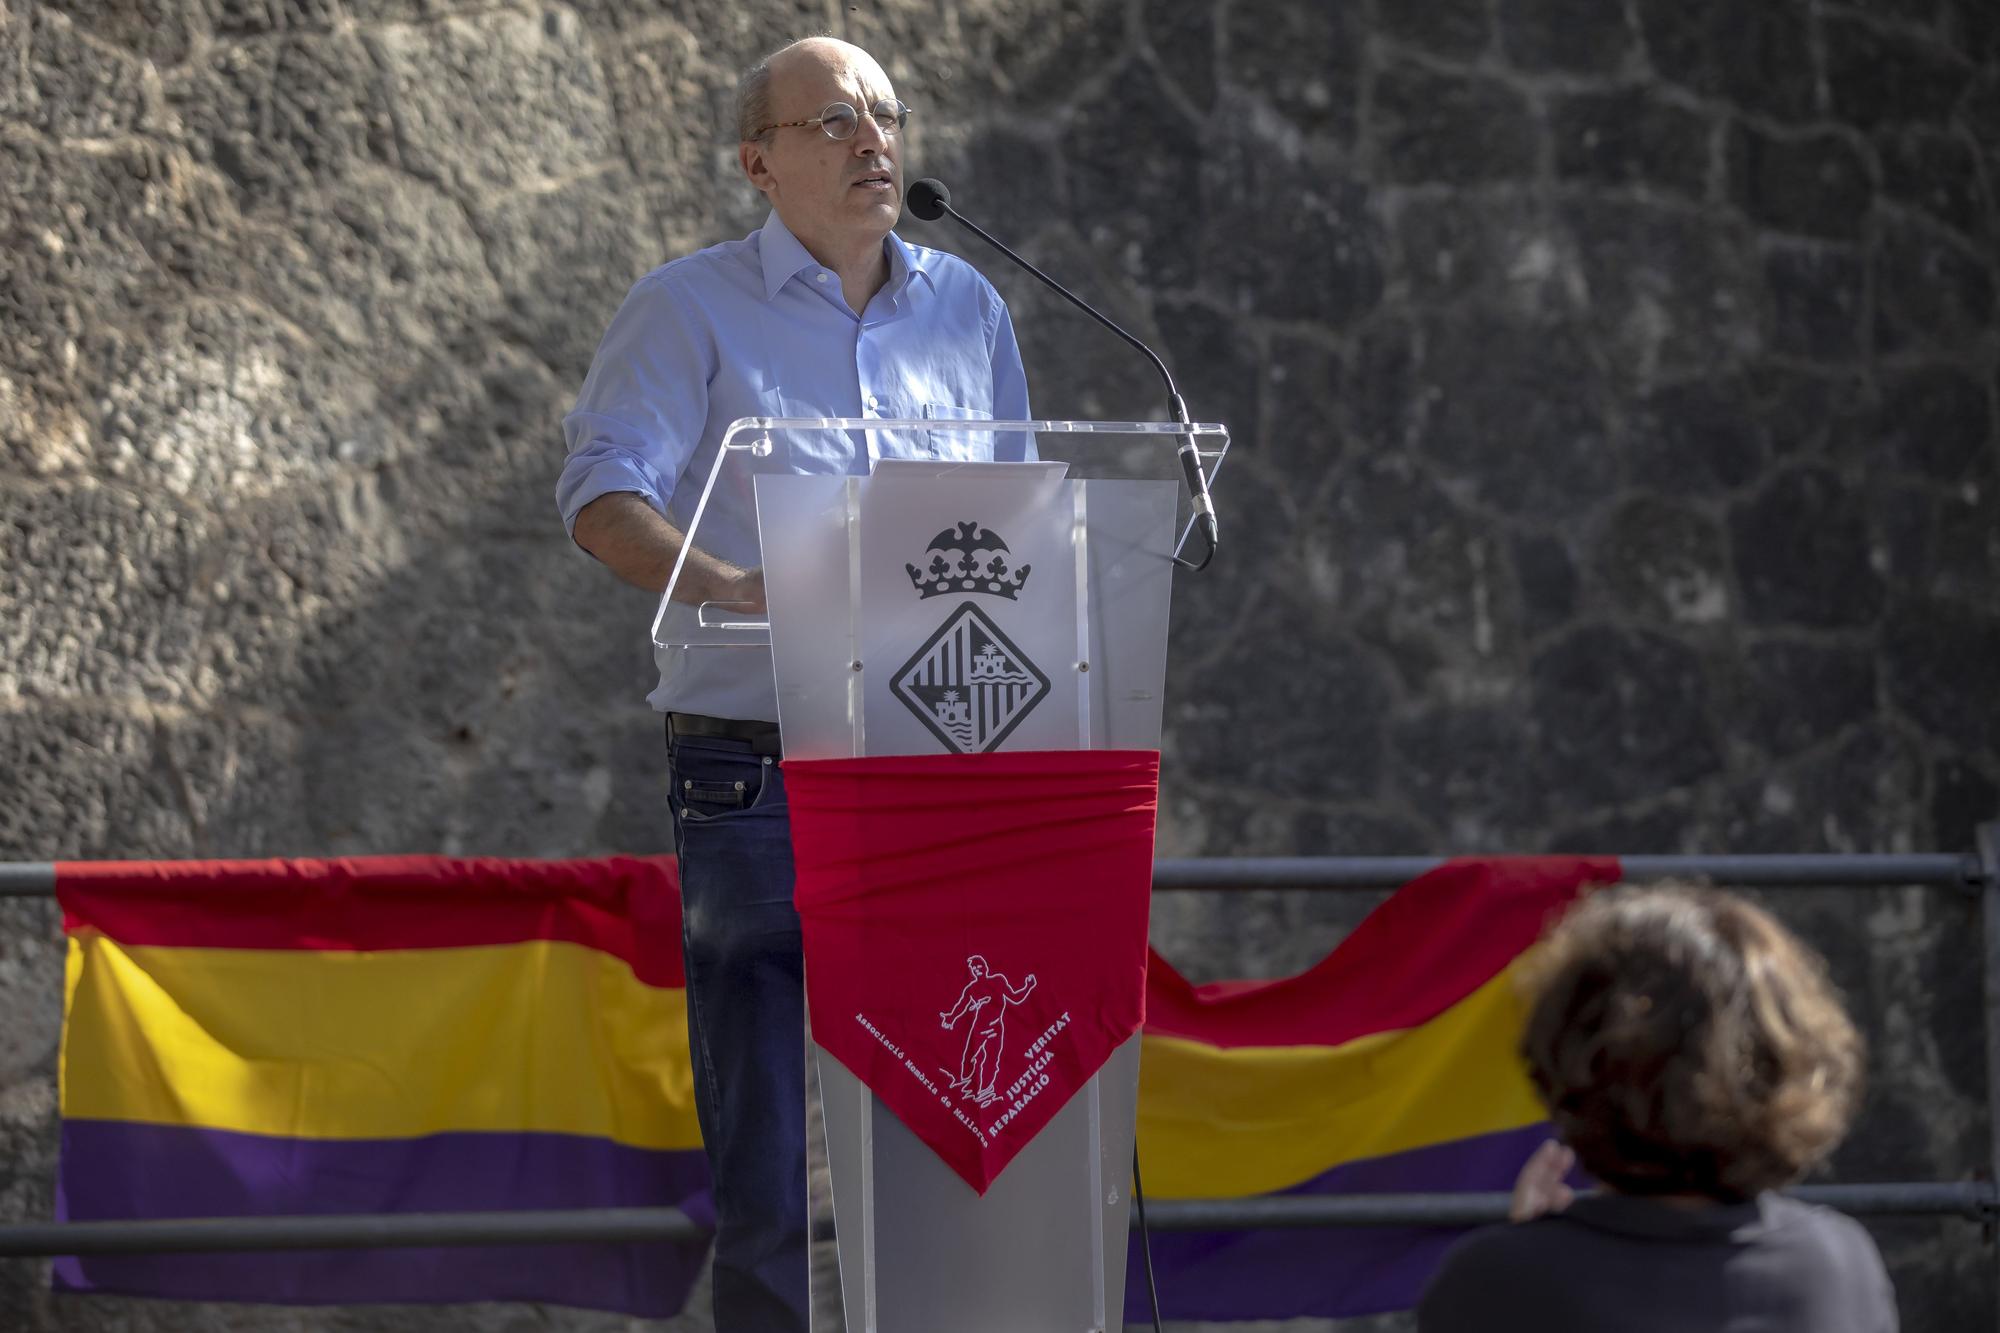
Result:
{"points": [[1976, 873]]}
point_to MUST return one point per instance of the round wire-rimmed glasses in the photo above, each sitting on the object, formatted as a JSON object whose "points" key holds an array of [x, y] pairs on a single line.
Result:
{"points": [[839, 120]]}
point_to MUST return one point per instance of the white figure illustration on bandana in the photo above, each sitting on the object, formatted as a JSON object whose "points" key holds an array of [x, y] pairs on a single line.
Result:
{"points": [[985, 1000]]}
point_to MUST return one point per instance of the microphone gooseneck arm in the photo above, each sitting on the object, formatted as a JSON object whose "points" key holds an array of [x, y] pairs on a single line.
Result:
{"points": [[929, 201]]}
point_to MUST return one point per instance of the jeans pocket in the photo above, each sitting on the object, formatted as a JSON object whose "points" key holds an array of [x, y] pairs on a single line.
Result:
{"points": [[710, 782]]}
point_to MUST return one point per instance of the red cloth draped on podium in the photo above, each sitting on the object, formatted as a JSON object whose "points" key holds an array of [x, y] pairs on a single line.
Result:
{"points": [[975, 931]]}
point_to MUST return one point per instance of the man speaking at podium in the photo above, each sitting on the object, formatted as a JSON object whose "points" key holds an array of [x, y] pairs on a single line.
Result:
{"points": [[823, 311]]}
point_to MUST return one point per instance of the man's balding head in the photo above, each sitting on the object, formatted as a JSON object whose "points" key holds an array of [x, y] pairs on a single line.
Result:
{"points": [[754, 97], [839, 196]]}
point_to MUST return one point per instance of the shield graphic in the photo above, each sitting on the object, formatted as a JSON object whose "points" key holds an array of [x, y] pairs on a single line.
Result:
{"points": [[969, 684]]}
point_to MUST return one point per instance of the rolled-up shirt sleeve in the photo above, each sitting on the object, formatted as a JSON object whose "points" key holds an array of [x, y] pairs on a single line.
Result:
{"points": [[640, 414], [1010, 389]]}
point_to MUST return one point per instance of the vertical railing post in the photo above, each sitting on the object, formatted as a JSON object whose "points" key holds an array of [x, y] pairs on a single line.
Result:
{"points": [[1988, 839]]}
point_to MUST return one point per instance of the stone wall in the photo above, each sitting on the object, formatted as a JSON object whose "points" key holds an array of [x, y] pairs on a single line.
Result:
{"points": [[1612, 384]]}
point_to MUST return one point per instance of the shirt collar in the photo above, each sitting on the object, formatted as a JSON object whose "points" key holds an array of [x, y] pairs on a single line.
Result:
{"points": [[1651, 1219], [785, 257]]}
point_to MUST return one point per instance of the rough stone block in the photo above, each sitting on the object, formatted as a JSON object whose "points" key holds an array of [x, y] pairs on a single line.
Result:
{"points": [[1463, 768], [1802, 553], [504, 100], [1431, 127], [1500, 248], [1307, 425], [98, 788], [1226, 735], [1933, 421], [1861, 794], [1663, 562], [1546, 582], [221, 401], [1700, 437], [256, 18], [1046, 51], [1963, 797], [1631, 137], [1903, 520], [1662, 827], [1758, 56], [1215, 369], [278, 119], [1131, 207], [1517, 415], [1456, 29], [675, 109], [1668, 289], [1817, 183], [159, 31], [1877, 75], [1424, 574], [1623, 715], [1797, 692], [1930, 290], [76, 88], [1938, 173], [1315, 257], [31, 987], [1320, 95], [1566, 36], [567, 267], [1074, 368], [1817, 295], [388, 268], [1967, 546], [1183, 40]]}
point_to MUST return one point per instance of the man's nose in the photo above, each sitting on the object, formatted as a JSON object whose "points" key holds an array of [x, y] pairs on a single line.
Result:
{"points": [[868, 137]]}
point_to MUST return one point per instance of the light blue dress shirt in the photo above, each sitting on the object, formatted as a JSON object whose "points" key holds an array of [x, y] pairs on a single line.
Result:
{"points": [[758, 327]]}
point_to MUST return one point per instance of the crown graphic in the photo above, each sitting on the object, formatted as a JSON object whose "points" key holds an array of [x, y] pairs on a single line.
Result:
{"points": [[967, 558]]}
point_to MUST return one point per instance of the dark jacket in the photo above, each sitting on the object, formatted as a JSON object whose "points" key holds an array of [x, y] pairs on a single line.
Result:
{"points": [[1612, 1262]]}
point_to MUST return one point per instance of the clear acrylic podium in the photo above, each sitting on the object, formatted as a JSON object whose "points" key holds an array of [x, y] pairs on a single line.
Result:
{"points": [[953, 605]]}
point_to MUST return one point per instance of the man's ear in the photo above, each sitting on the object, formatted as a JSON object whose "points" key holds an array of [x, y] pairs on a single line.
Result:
{"points": [[750, 156]]}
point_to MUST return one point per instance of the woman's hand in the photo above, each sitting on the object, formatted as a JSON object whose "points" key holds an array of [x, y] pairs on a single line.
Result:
{"points": [[1540, 1187]]}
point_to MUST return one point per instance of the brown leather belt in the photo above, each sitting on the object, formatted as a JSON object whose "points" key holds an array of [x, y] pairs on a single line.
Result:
{"points": [[761, 737]]}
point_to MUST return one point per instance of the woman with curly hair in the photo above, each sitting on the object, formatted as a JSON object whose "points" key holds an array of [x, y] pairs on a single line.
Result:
{"points": [[1695, 1059]]}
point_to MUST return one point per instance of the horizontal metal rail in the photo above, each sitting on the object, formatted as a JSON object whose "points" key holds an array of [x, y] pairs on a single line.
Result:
{"points": [[37, 879], [1972, 1200], [27, 879], [1780, 870]]}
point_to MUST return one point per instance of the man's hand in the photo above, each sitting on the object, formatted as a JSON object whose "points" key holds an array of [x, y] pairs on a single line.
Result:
{"points": [[1540, 1187], [743, 591]]}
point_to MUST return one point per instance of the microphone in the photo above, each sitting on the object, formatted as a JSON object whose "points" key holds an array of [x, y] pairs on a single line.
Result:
{"points": [[929, 200]]}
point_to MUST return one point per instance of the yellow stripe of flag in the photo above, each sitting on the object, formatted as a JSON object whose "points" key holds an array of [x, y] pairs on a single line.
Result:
{"points": [[1224, 1122], [541, 1036]]}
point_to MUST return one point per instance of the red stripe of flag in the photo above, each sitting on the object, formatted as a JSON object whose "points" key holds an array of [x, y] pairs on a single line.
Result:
{"points": [[625, 906], [1435, 941]]}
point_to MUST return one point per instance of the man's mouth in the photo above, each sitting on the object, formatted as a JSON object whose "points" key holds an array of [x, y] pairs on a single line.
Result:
{"points": [[879, 181]]}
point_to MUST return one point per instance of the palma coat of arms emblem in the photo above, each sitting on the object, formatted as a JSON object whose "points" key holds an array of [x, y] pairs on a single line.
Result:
{"points": [[969, 684]]}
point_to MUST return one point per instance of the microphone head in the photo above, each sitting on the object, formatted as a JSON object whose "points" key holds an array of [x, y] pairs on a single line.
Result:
{"points": [[927, 199]]}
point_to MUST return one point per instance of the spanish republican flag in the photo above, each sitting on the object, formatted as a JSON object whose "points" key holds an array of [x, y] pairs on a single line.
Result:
{"points": [[416, 1034], [378, 1035], [1389, 1067]]}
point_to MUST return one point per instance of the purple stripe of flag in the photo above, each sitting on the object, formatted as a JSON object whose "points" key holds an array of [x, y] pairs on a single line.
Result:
{"points": [[1332, 1273], [125, 1170]]}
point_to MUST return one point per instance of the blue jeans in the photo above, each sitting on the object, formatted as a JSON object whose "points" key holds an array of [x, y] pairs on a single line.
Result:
{"points": [[746, 1024]]}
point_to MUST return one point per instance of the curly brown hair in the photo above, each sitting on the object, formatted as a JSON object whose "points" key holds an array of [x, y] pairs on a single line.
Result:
{"points": [[1686, 1043]]}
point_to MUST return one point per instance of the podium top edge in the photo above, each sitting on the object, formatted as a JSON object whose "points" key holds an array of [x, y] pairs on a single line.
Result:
{"points": [[980, 424]]}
